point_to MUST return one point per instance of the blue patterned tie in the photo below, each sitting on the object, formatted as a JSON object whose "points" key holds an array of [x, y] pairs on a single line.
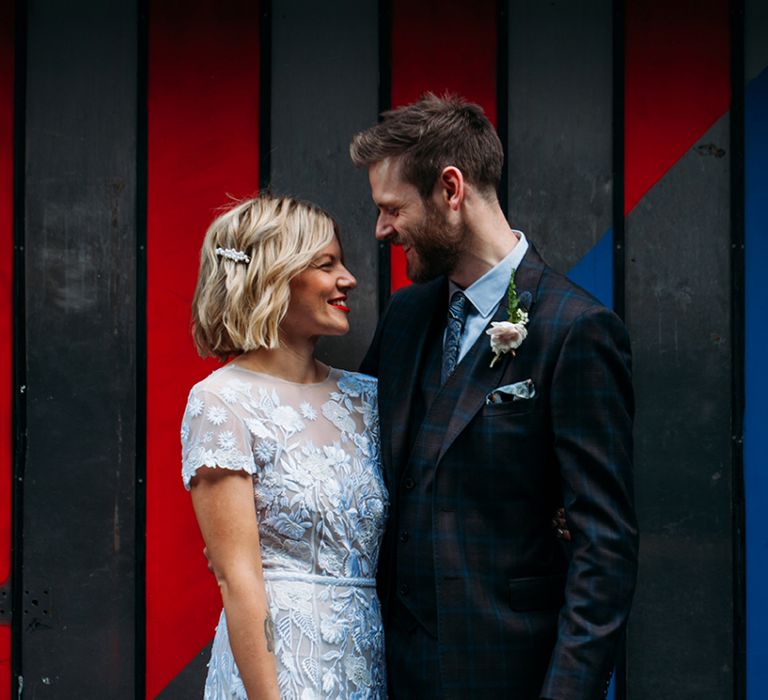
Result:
{"points": [[457, 314]]}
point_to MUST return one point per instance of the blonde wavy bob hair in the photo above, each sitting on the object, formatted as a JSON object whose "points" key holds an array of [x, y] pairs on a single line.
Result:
{"points": [[238, 306]]}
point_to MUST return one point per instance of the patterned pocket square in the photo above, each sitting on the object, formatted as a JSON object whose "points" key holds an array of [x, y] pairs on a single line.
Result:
{"points": [[519, 391]]}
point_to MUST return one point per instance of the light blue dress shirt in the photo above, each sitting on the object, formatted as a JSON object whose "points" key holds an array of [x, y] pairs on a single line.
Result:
{"points": [[486, 293]]}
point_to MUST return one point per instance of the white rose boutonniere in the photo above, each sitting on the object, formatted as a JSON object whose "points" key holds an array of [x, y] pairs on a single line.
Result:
{"points": [[506, 336]]}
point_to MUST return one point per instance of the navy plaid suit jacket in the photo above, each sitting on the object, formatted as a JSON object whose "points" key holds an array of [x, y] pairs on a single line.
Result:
{"points": [[517, 616]]}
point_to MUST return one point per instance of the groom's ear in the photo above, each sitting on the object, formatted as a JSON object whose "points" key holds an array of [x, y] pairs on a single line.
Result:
{"points": [[451, 185]]}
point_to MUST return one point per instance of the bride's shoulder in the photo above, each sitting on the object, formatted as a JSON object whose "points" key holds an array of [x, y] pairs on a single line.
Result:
{"points": [[222, 380]]}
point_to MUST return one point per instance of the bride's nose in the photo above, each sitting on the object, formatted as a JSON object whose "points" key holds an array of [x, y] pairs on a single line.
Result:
{"points": [[347, 280]]}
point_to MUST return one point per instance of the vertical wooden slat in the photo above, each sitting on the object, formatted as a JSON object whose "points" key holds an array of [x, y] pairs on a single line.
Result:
{"points": [[317, 54], [680, 640], [6, 333], [737, 338], [203, 148], [756, 332], [79, 214], [677, 71], [559, 135]]}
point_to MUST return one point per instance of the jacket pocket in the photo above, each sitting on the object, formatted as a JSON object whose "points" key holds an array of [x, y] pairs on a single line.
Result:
{"points": [[537, 592], [510, 408]]}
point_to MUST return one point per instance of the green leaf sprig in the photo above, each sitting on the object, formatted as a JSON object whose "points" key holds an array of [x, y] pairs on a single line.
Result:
{"points": [[513, 304]]}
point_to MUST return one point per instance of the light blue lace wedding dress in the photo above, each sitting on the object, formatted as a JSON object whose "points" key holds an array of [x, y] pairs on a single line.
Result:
{"points": [[313, 451]]}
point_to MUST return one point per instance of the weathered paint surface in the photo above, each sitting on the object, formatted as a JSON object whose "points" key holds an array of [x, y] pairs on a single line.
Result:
{"points": [[6, 332], [560, 137], [678, 313], [80, 315]]}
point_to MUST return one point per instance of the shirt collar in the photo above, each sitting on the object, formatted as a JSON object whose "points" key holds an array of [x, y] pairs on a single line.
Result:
{"points": [[486, 292]]}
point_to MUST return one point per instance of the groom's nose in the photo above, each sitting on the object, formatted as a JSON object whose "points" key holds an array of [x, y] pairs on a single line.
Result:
{"points": [[384, 230]]}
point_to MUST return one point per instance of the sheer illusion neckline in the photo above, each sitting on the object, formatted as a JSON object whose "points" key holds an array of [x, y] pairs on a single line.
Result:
{"points": [[275, 378]]}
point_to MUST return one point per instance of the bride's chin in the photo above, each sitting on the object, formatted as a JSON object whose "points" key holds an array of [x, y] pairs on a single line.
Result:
{"points": [[336, 332]]}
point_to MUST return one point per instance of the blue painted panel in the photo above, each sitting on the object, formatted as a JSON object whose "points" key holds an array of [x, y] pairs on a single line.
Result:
{"points": [[594, 271], [756, 381]]}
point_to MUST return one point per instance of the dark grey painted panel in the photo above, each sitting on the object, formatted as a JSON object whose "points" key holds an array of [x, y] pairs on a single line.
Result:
{"points": [[324, 89], [560, 110], [191, 680], [680, 640], [755, 34], [80, 213]]}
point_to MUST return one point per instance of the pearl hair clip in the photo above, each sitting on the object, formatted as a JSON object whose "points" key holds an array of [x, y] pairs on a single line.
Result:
{"points": [[232, 254]]}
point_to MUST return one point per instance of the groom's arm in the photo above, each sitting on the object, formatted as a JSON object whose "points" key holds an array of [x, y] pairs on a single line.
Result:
{"points": [[592, 411]]}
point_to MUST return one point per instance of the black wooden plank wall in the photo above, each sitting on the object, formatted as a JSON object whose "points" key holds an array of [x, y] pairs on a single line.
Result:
{"points": [[324, 88], [77, 566], [80, 251]]}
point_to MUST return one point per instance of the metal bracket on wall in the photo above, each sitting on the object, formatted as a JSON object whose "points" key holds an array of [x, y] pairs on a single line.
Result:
{"points": [[5, 603], [37, 609]]}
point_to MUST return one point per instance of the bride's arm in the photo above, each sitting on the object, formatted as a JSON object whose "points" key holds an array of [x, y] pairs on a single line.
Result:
{"points": [[225, 509]]}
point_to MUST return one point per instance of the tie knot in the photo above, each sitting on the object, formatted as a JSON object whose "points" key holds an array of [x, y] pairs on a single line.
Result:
{"points": [[457, 309]]}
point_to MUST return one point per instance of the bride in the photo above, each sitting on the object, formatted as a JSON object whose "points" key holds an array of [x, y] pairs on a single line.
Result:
{"points": [[281, 455]]}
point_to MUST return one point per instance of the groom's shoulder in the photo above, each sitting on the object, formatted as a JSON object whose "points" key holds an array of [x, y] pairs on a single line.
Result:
{"points": [[560, 290], [563, 301], [415, 295]]}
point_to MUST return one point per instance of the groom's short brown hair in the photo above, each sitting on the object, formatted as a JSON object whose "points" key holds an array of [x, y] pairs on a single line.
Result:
{"points": [[431, 134]]}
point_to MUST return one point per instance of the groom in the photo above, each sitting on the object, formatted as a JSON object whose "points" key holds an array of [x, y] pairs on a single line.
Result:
{"points": [[479, 599]]}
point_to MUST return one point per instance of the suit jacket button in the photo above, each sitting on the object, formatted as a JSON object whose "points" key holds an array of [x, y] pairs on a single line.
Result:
{"points": [[404, 589], [409, 483], [404, 536]]}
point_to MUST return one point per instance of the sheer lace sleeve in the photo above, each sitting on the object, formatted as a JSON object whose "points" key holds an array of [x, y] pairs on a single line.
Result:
{"points": [[212, 435]]}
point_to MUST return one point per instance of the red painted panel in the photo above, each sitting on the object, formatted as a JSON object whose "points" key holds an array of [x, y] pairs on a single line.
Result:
{"points": [[203, 146], [677, 83], [440, 45], [6, 320]]}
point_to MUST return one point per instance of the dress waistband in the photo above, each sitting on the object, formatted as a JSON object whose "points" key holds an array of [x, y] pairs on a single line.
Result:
{"points": [[275, 575]]}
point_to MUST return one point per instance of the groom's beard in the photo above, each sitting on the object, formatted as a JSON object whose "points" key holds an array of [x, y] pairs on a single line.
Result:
{"points": [[437, 246]]}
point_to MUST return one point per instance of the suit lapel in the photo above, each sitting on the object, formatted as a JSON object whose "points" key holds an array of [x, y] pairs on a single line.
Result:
{"points": [[474, 377]]}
